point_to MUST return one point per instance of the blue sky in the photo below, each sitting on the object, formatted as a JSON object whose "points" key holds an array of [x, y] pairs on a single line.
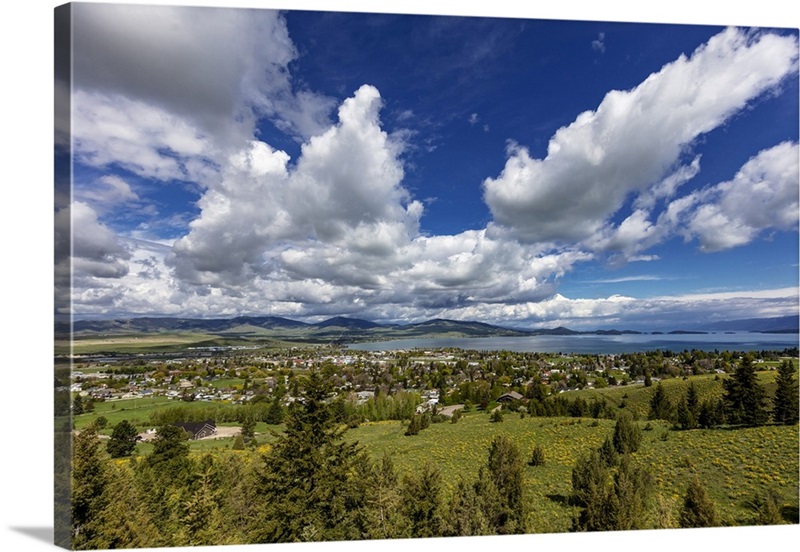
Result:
{"points": [[397, 168]]}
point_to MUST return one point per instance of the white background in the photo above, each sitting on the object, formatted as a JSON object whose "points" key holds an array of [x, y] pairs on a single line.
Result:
{"points": [[26, 283]]}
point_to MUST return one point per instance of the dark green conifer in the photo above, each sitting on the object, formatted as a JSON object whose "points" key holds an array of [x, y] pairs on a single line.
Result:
{"points": [[698, 508], [744, 397], [785, 403], [123, 440], [627, 434]]}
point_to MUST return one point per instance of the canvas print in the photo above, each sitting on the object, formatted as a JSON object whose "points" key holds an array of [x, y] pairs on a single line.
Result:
{"points": [[328, 276]]}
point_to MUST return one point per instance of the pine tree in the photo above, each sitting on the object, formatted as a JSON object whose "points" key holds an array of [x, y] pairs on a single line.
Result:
{"points": [[537, 457], [465, 514], [414, 425], [382, 512], [627, 434], [712, 414], [608, 453], [660, 406], [123, 440], [692, 400], [767, 507], [785, 402], [77, 405], [744, 397], [685, 418], [422, 502], [633, 487], [304, 488], [275, 413], [248, 431], [125, 522], [698, 508], [89, 481], [591, 492], [506, 469], [202, 521]]}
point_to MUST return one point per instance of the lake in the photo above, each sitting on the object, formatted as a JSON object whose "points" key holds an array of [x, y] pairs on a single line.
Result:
{"points": [[596, 344]]}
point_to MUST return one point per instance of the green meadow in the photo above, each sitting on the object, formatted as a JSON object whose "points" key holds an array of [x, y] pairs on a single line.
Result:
{"points": [[734, 464]]}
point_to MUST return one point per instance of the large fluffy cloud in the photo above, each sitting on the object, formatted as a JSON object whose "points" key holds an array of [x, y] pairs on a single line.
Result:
{"points": [[213, 66], [339, 228], [763, 195], [633, 139], [344, 192], [335, 230]]}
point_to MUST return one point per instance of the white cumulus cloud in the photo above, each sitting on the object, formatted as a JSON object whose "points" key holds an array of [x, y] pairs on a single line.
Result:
{"points": [[762, 195], [633, 139]]}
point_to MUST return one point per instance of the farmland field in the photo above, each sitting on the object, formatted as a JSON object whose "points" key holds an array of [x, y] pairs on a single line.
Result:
{"points": [[158, 342]]}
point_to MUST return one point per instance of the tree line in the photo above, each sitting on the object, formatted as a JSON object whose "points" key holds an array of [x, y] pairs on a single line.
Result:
{"points": [[744, 401]]}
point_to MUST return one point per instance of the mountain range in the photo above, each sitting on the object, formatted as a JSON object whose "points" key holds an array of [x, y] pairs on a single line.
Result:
{"points": [[342, 328]]}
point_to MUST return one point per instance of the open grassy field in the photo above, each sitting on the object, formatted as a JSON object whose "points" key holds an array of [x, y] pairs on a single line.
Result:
{"points": [[161, 342], [734, 464], [136, 411], [636, 397]]}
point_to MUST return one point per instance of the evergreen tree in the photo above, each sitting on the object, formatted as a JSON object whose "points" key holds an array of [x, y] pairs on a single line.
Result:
{"points": [[785, 402], [489, 500], [465, 513], [202, 521], [382, 513], [414, 425], [608, 453], [125, 521], [506, 469], [537, 457], [664, 513], [77, 405], [712, 414], [422, 503], [660, 405], [744, 397], [685, 418], [693, 400], [591, 492], [304, 488], [627, 434], [123, 440], [275, 413], [248, 431], [698, 508], [633, 487], [767, 507], [89, 480], [611, 498], [169, 446]]}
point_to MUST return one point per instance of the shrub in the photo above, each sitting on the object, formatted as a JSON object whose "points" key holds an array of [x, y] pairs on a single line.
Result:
{"points": [[698, 509], [767, 507], [537, 458], [497, 416]]}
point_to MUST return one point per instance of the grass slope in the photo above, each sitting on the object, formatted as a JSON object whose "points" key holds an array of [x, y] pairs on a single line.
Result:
{"points": [[734, 464]]}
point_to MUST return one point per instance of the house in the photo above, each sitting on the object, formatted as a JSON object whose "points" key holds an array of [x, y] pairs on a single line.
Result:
{"points": [[198, 430], [511, 396]]}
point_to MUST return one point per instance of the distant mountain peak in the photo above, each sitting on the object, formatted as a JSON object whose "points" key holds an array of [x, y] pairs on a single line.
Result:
{"points": [[344, 322]]}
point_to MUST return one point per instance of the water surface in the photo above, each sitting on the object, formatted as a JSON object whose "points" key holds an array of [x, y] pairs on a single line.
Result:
{"points": [[597, 344]]}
